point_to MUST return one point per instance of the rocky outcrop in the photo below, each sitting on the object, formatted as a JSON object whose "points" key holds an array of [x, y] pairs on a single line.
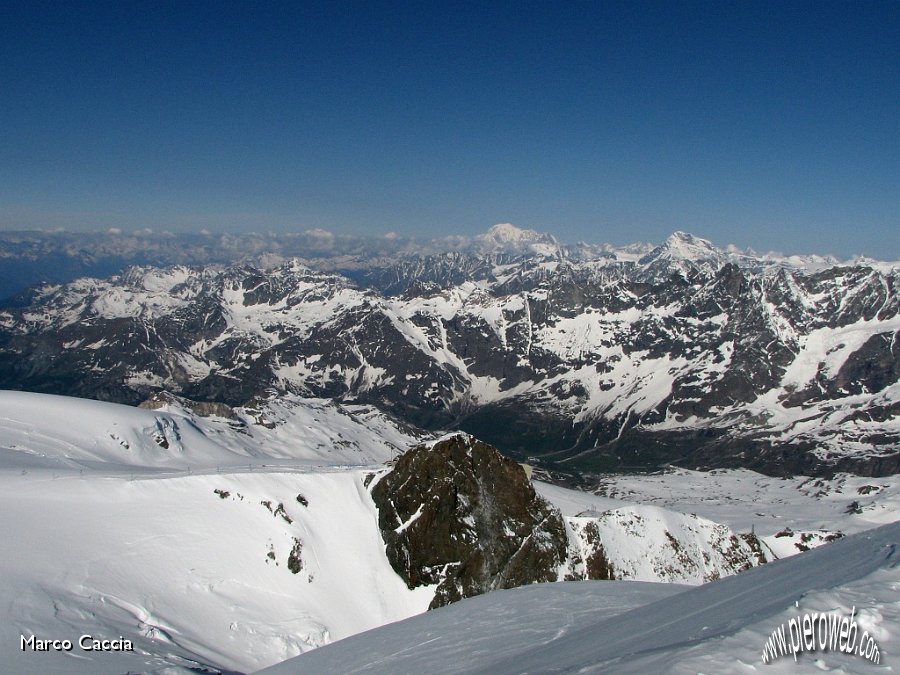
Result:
{"points": [[459, 515], [646, 543], [201, 408]]}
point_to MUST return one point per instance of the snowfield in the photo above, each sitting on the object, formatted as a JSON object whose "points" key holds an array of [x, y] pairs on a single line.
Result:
{"points": [[235, 540], [179, 532], [779, 510], [48, 431], [192, 576]]}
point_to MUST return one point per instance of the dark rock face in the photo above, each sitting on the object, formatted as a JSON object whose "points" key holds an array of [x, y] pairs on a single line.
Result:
{"points": [[460, 515], [593, 564]]}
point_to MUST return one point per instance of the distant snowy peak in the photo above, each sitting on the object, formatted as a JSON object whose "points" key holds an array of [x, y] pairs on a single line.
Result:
{"points": [[505, 237], [507, 232], [773, 363], [683, 251], [39, 257], [684, 246]]}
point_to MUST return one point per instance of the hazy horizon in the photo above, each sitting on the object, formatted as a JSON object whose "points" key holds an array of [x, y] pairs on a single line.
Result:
{"points": [[425, 244]]}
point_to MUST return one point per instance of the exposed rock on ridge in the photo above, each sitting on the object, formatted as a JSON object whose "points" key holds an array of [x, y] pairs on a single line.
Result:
{"points": [[460, 515], [645, 543]]}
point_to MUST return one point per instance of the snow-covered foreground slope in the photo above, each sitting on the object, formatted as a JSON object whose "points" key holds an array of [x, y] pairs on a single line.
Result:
{"points": [[637, 628], [189, 574], [228, 542]]}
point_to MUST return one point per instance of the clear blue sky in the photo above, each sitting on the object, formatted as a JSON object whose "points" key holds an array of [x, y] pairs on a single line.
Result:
{"points": [[774, 125]]}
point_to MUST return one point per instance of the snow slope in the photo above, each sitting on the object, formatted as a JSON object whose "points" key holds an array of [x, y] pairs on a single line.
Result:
{"points": [[42, 430], [718, 627], [179, 531], [646, 543], [191, 575]]}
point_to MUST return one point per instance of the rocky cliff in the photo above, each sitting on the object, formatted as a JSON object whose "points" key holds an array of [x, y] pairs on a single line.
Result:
{"points": [[459, 515]]}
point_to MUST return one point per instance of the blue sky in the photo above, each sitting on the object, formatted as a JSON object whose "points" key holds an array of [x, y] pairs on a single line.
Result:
{"points": [[771, 125]]}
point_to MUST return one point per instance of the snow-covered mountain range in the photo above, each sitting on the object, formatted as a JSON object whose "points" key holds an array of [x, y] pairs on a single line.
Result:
{"points": [[582, 358], [31, 257]]}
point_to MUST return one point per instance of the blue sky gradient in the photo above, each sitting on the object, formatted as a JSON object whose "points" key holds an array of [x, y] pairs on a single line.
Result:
{"points": [[768, 125]]}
